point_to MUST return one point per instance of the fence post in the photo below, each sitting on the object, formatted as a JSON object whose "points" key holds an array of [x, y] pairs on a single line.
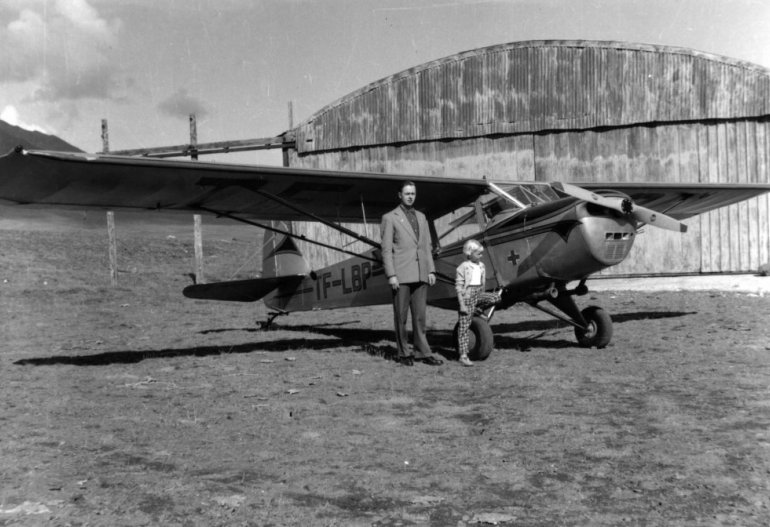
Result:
{"points": [[285, 151], [105, 137], [198, 249], [113, 248], [193, 137]]}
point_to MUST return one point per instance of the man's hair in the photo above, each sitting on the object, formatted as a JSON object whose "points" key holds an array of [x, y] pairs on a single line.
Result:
{"points": [[406, 184], [470, 246]]}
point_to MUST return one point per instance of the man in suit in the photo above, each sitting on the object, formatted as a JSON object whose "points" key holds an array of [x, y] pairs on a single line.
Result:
{"points": [[408, 263]]}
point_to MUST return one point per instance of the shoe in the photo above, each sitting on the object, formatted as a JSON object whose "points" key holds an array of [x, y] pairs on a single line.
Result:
{"points": [[465, 361], [405, 361], [431, 361]]}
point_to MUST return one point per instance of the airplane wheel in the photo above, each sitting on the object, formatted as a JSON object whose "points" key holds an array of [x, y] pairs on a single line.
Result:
{"points": [[481, 340], [599, 332]]}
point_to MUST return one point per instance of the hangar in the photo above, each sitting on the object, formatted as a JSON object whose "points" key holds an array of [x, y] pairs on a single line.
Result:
{"points": [[574, 111]]}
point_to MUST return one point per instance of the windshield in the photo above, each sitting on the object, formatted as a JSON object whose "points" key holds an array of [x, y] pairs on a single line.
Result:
{"points": [[504, 198], [530, 193]]}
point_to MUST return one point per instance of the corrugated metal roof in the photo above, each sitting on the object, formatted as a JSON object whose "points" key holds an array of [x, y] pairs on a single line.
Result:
{"points": [[534, 86]]}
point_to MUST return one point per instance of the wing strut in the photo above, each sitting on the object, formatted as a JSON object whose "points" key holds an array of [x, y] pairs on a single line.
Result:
{"points": [[287, 233], [482, 223], [363, 210], [336, 226]]}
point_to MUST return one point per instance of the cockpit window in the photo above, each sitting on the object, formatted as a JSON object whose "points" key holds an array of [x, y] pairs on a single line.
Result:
{"points": [[531, 193], [463, 221]]}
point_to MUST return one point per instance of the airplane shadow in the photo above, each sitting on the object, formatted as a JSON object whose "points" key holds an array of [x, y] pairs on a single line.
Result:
{"points": [[368, 341], [134, 356], [617, 318]]}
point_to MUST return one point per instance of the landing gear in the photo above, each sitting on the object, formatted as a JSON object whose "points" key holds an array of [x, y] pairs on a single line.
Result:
{"points": [[593, 325], [268, 324], [598, 330], [481, 340]]}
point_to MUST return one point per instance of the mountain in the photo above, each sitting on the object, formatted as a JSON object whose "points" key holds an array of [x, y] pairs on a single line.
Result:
{"points": [[13, 136]]}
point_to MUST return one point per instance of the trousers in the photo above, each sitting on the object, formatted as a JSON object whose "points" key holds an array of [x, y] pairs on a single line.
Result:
{"points": [[411, 297], [476, 298]]}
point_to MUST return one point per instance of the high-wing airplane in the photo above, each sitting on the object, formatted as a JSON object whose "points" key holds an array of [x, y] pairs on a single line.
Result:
{"points": [[539, 237]]}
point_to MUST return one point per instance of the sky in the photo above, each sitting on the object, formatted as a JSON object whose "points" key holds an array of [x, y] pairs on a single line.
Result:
{"points": [[146, 65]]}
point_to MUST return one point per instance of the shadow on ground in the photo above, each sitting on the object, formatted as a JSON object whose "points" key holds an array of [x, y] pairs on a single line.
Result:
{"points": [[365, 339]]}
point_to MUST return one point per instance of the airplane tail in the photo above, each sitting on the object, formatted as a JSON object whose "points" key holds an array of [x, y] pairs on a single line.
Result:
{"points": [[282, 266], [280, 254]]}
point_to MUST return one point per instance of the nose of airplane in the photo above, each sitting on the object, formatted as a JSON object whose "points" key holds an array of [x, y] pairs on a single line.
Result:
{"points": [[609, 236]]}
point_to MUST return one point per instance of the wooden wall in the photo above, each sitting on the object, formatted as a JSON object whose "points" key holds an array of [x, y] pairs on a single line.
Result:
{"points": [[537, 86], [573, 111], [503, 158], [733, 239]]}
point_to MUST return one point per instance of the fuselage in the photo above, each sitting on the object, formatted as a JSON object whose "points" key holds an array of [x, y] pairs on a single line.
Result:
{"points": [[526, 252]]}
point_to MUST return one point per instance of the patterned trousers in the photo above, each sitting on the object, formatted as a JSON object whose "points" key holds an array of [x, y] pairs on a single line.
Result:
{"points": [[475, 298]]}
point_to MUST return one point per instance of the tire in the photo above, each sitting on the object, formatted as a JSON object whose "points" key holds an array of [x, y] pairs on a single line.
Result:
{"points": [[599, 332], [481, 340]]}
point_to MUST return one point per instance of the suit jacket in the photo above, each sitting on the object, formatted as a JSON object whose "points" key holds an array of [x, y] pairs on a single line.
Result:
{"points": [[404, 255]]}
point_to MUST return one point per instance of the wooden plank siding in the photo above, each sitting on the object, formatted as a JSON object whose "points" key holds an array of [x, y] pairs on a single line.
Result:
{"points": [[570, 111], [730, 240], [537, 86]]}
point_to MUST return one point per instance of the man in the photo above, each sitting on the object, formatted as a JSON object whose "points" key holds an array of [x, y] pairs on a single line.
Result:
{"points": [[408, 263]]}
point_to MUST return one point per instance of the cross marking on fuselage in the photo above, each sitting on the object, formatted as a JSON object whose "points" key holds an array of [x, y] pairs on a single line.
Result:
{"points": [[513, 258]]}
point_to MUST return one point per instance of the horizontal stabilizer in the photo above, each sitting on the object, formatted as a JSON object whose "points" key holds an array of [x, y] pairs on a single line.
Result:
{"points": [[249, 290]]}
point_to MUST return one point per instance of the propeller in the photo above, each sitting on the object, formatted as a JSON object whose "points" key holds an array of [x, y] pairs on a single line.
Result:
{"points": [[624, 205]]}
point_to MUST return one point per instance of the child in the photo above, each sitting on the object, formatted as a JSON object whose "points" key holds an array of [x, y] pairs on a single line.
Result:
{"points": [[469, 283]]}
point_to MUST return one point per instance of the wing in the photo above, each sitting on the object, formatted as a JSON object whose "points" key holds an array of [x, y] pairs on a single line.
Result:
{"points": [[682, 201], [104, 181]]}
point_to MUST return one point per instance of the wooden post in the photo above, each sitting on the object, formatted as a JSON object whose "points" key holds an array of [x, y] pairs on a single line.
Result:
{"points": [[196, 217], [193, 137], [105, 137], [291, 115], [285, 151], [113, 248], [198, 249]]}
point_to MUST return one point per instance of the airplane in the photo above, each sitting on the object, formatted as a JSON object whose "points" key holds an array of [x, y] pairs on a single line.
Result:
{"points": [[539, 237]]}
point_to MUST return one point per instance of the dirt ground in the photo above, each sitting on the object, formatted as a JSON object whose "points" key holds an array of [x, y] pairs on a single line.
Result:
{"points": [[134, 406]]}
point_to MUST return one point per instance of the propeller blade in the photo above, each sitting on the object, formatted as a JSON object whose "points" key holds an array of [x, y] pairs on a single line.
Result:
{"points": [[651, 217], [609, 202], [624, 206]]}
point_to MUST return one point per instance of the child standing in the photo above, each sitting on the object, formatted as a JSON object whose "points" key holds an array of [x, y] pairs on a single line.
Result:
{"points": [[469, 284]]}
